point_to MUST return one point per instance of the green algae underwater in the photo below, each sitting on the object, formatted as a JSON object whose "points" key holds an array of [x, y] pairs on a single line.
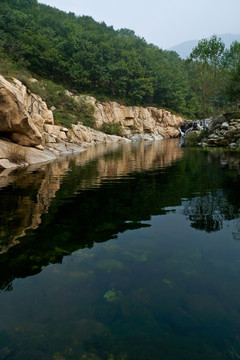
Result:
{"points": [[123, 252]]}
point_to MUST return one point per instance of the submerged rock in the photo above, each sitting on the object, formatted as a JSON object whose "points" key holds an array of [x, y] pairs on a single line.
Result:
{"points": [[58, 356], [113, 295], [111, 265], [90, 356], [169, 283]]}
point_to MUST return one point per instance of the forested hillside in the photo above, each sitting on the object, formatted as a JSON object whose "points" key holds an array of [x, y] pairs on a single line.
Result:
{"points": [[90, 57]]}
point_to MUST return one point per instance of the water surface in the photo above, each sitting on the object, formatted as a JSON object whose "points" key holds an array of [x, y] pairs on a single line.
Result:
{"points": [[122, 252]]}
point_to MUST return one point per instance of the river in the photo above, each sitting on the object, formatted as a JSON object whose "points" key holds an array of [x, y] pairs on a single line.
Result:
{"points": [[122, 252]]}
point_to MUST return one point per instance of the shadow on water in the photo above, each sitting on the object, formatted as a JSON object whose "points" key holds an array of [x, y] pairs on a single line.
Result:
{"points": [[53, 210]]}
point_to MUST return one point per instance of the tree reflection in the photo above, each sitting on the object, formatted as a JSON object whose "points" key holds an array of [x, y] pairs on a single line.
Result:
{"points": [[236, 233], [208, 212], [100, 197]]}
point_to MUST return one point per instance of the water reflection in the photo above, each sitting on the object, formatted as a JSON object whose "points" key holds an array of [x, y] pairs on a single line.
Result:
{"points": [[27, 194], [102, 192], [121, 270], [227, 159], [236, 233], [208, 212]]}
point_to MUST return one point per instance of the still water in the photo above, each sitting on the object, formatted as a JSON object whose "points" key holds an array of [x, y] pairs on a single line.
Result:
{"points": [[123, 252]]}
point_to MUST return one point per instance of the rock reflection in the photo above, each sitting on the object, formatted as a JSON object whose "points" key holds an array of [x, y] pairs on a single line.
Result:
{"points": [[27, 194], [79, 201], [225, 159]]}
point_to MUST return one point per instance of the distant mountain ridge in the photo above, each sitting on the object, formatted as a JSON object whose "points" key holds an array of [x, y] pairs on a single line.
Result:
{"points": [[184, 49]]}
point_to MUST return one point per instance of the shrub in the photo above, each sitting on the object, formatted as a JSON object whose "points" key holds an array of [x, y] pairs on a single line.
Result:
{"points": [[63, 118], [68, 110], [203, 134], [232, 115], [133, 128], [112, 129], [16, 156], [85, 113]]}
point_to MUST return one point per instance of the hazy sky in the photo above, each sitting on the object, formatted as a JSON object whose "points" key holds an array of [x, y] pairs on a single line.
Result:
{"points": [[162, 22]]}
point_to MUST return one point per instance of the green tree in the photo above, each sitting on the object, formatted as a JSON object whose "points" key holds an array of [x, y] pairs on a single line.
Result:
{"points": [[91, 57], [232, 63], [232, 89], [232, 55], [206, 61]]}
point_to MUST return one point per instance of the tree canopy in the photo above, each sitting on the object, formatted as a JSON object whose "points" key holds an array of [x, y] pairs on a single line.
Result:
{"points": [[93, 58], [214, 74]]}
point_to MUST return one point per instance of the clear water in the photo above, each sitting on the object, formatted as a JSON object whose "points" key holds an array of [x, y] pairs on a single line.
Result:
{"points": [[122, 252]]}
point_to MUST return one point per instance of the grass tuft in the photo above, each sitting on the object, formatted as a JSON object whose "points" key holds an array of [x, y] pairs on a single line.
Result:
{"points": [[16, 156]]}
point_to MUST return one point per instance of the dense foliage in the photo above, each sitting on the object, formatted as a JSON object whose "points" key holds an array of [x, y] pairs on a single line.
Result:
{"points": [[93, 58], [214, 74]]}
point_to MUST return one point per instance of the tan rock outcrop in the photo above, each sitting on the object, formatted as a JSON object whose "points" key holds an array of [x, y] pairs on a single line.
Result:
{"points": [[136, 119], [14, 155], [26, 120], [85, 136], [22, 114]]}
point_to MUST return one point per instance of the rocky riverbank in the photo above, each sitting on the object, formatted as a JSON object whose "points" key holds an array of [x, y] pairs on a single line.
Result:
{"points": [[224, 131], [28, 134]]}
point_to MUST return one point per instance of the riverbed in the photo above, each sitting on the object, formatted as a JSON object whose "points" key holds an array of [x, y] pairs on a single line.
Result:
{"points": [[122, 252]]}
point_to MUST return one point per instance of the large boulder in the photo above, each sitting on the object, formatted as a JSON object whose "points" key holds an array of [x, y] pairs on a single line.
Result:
{"points": [[22, 114], [85, 136]]}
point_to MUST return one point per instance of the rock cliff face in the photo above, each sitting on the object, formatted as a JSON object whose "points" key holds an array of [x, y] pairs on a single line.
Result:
{"points": [[79, 134], [26, 121], [22, 114], [134, 120]]}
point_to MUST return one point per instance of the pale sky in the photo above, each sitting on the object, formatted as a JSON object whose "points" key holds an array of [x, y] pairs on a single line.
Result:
{"points": [[162, 22]]}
